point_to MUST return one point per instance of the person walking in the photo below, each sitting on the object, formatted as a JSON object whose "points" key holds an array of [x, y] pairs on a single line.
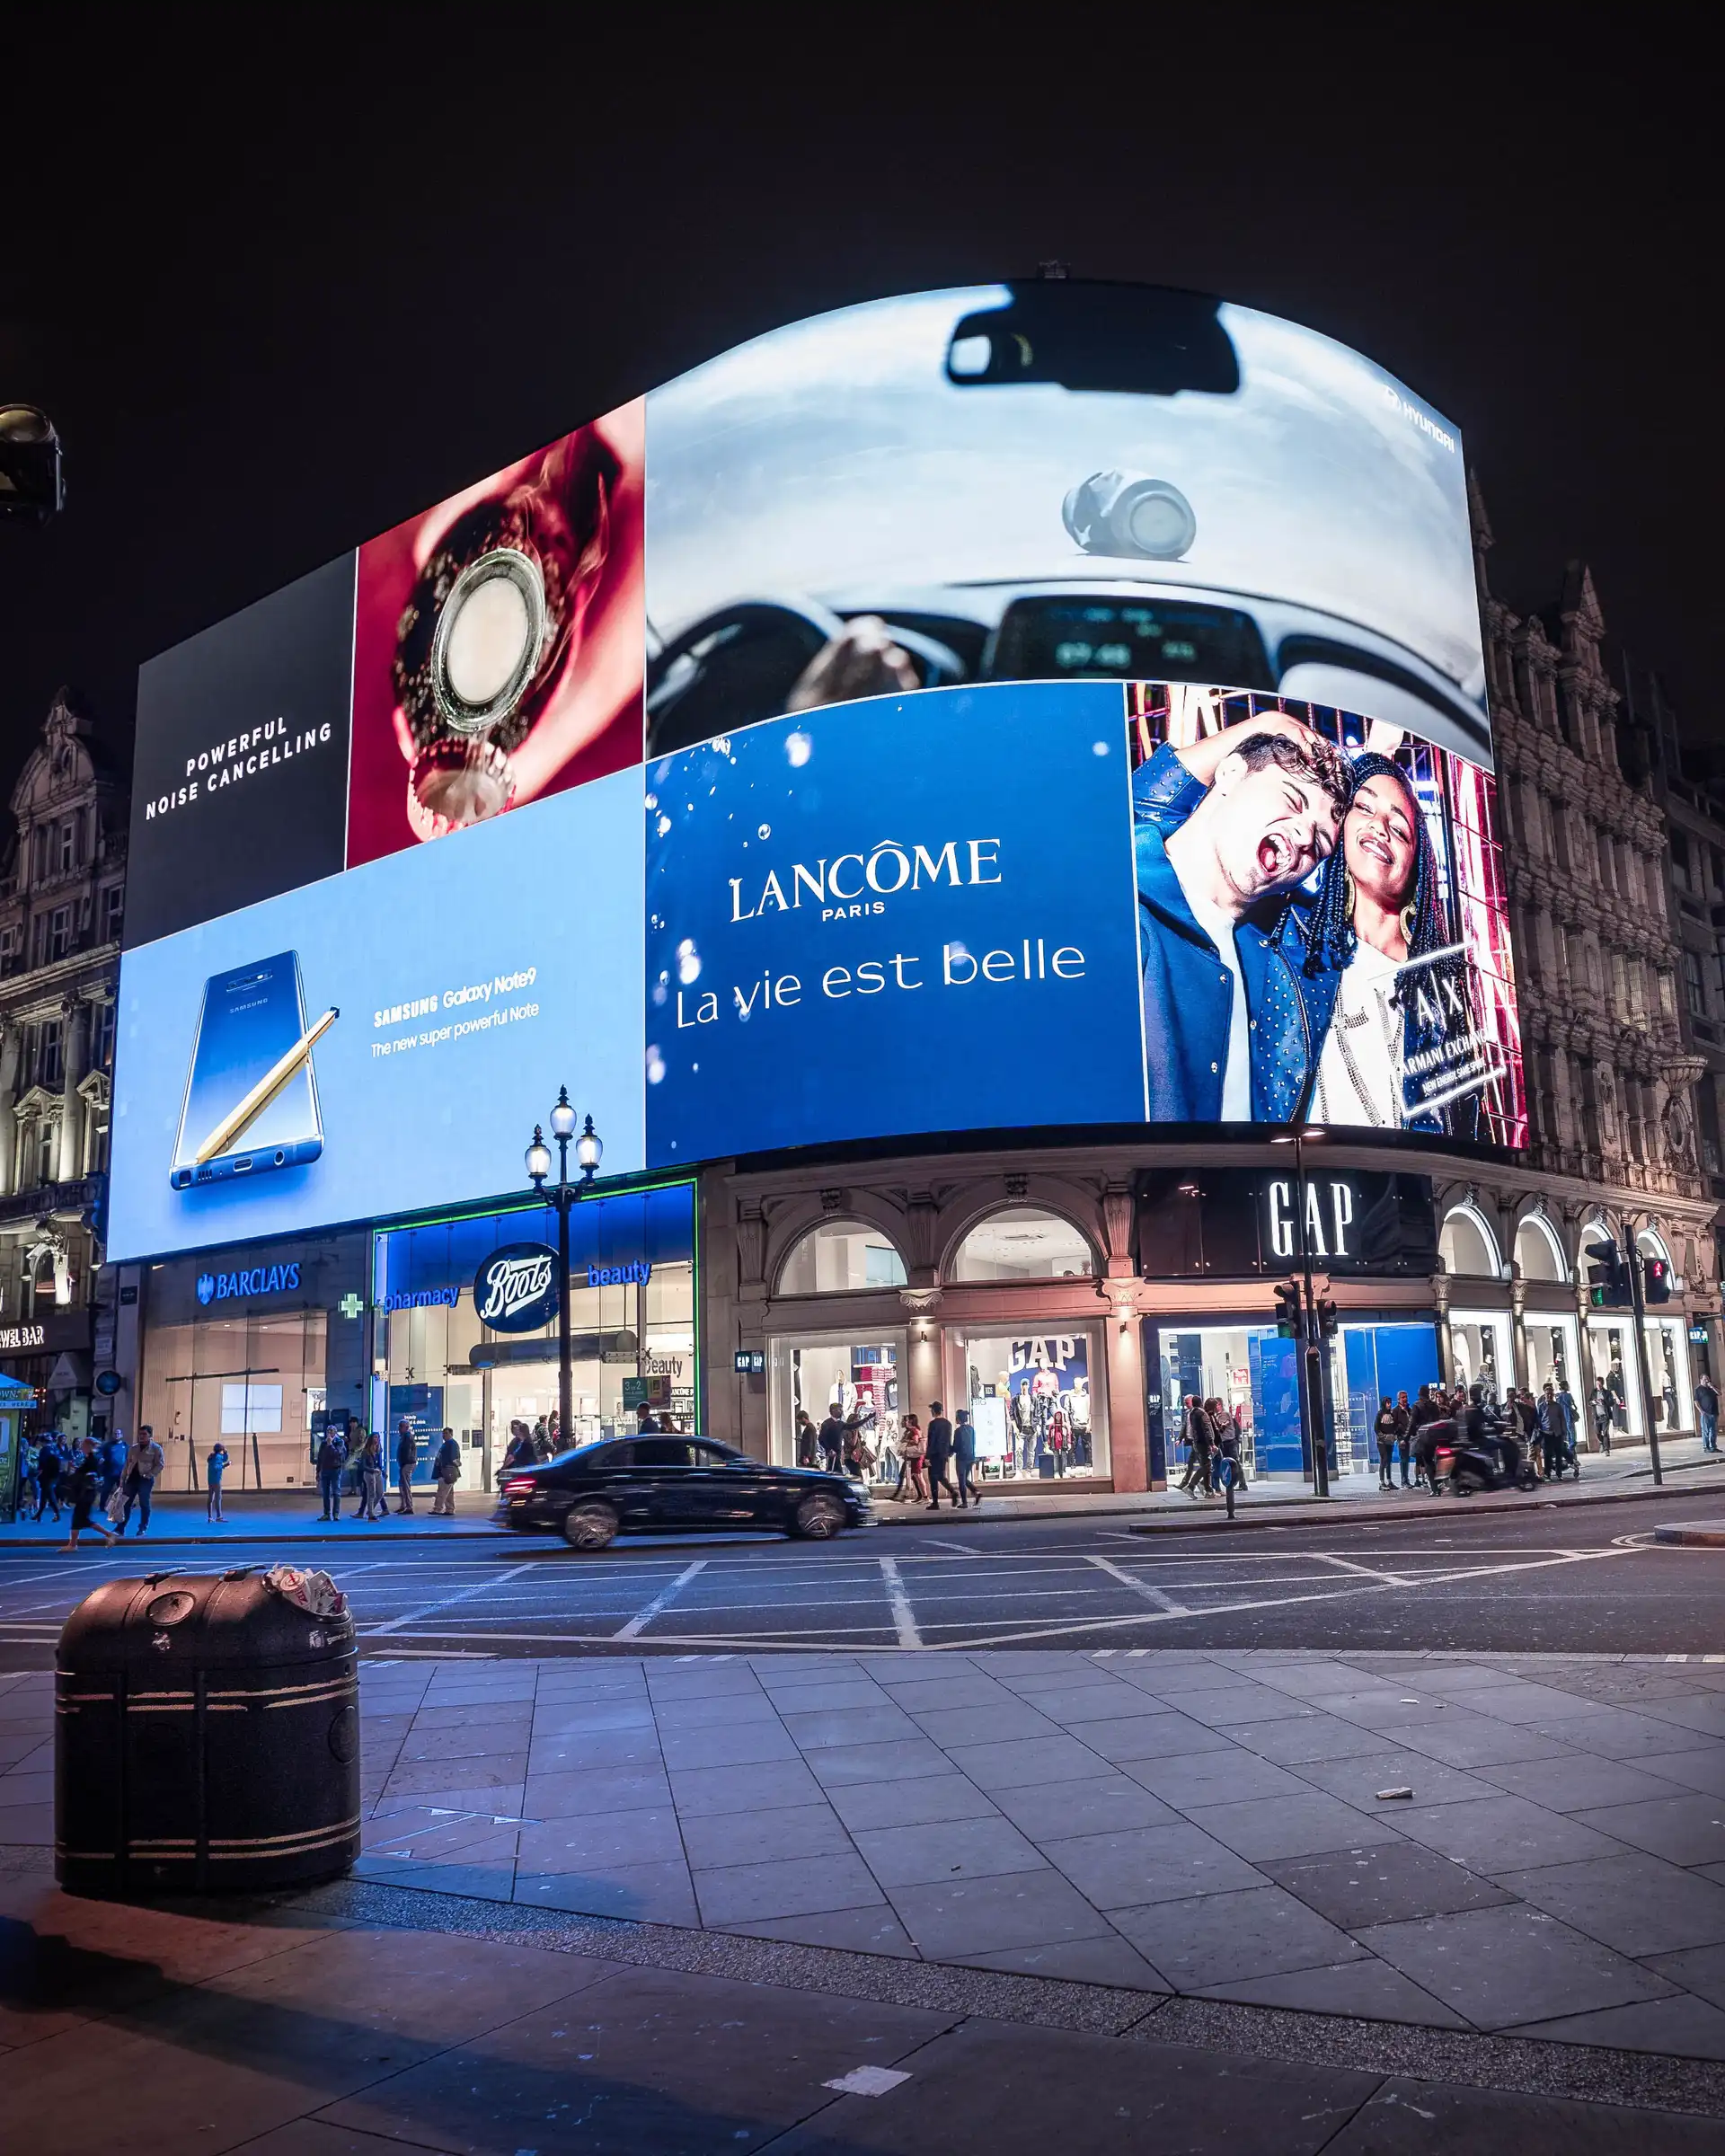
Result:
{"points": [[1200, 1436], [807, 1440], [1707, 1409], [938, 1451], [49, 1465], [331, 1457], [1603, 1406], [407, 1457], [964, 1457], [1227, 1446], [1384, 1429], [832, 1440], [215, 1468], [446, 1473], [144, 1463], [112, 1458], [912, 1445], [1403, 1436], [1425, 1413], [371, 1480], [84, 1489]]}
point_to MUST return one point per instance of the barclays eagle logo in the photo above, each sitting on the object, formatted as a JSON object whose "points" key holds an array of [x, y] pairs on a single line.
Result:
{"points": [[206, 1287]]}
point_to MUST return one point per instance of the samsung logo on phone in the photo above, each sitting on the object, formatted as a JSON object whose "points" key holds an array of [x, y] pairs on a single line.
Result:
{"points": [[258, 1280], [638, 1270]]}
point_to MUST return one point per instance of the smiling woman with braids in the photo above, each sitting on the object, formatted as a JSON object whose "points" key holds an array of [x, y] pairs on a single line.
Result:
{"points": [[1382, 993], [1379, 915]]}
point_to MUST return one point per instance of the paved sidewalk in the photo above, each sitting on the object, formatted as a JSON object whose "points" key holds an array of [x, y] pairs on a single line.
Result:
{"points": [[1206, 1824], [353, 2021], [281, 1516]]}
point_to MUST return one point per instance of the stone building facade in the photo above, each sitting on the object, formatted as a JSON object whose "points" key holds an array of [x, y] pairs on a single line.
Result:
{"points": [[62, 900]]}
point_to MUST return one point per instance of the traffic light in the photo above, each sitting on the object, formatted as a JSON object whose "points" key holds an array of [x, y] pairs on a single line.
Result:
{"points": [[1656, 1279], [1607, 1276], [1327, 1319], [1287, 1310]]}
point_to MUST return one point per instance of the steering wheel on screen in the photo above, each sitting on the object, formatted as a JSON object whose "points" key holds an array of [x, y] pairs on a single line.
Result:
{"points": [[741, 663]]}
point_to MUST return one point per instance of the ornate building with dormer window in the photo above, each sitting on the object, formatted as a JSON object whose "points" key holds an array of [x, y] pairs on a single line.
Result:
{"points": [[62, 899]]}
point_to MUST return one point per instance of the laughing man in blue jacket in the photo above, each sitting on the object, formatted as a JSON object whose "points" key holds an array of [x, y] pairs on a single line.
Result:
{"points": [[1223, 832]]}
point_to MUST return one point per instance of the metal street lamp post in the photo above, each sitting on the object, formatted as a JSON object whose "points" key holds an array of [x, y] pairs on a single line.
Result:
{"points": [[563, 1194], [1316, 1430]]}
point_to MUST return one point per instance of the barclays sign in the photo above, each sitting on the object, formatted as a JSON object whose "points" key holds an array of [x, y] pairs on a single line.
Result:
{"points": [[515, 1289], [251, 1280]]}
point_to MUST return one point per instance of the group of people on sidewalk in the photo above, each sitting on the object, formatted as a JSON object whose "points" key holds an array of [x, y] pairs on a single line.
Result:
{"points": [[1214, 1465], [93, 1475], [358, 1463], [941, 1457]]}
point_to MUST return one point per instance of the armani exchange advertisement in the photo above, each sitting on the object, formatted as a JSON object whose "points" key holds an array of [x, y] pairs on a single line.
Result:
{"points": [[828, 746]]}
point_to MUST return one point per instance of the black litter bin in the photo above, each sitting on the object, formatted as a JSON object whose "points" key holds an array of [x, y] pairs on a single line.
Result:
{"points": [[205, 1735]]}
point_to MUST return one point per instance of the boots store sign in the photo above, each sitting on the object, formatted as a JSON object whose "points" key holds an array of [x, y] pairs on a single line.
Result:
{"points": [[515, 1290]]}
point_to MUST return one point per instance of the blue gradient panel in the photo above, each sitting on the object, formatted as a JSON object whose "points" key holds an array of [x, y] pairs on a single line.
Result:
{"points": [[473, 976]]}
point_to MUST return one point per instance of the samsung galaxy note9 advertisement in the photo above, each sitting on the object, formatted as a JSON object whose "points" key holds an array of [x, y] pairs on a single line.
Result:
{"points": [[1031, 705], [386, 1039]]}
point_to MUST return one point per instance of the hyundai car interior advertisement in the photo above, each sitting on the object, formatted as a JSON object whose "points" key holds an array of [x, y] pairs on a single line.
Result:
{"points": [[1048, 703]]}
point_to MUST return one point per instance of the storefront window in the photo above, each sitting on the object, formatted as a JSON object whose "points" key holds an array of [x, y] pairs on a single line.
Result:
{"points": [[631, 1322], [858, 1375], [1371, 1363], [1667, 1367], [1611, 1347], [1551, 1354], [1020, 1242], [1482, 1351], [1037, 1410], [1255, 1373], [254, 1380], [841, 1255]]}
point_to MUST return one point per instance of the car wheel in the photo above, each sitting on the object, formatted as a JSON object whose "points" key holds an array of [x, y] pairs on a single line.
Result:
{"points": [[820, 1518], [589, 1527]]}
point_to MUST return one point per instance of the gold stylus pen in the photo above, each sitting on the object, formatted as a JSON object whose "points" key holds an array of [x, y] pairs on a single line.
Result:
{"points": [[265, 1091]]}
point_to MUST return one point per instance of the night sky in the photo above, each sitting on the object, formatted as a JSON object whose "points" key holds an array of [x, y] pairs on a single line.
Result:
{"points": [[284, 277]]}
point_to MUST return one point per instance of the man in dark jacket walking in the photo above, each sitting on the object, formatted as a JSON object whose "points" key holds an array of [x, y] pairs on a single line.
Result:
{"points": [[940, 1454], [407, 1453], [832, 1440], [964, 1454]]}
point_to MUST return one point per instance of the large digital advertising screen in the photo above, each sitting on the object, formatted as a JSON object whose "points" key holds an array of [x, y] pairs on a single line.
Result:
{"points": [[1031, 705]]}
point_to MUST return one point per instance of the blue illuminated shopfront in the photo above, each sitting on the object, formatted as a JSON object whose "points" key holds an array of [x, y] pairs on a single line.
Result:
{"points": [[633, 1319], [1372, 1240]]}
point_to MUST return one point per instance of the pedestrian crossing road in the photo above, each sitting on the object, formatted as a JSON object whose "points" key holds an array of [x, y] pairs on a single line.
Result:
{"points": [[1580, 1580]]}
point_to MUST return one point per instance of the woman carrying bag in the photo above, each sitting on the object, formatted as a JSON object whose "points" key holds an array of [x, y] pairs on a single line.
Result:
{"points": [[912, 1446]]}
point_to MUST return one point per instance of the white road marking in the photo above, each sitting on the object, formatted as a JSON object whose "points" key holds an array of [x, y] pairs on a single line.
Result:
{"points": [[902, 1618], [1164, 1603], [1346, 1564], [643, 1618], [960, 1547], [429, 1609]]}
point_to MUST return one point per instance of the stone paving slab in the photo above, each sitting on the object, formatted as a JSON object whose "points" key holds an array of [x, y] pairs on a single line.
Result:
{"points": [[1191, 1823]]}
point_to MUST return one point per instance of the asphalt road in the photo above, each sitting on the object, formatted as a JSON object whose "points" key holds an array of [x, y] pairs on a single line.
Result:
{"points": [[1582, 1579]]}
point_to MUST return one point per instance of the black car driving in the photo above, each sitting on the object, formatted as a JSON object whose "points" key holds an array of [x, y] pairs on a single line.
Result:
{"points": [[655, 1484]]}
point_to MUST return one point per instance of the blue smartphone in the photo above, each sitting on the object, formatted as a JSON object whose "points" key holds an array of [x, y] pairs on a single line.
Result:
{"points": [[249, 1020]]}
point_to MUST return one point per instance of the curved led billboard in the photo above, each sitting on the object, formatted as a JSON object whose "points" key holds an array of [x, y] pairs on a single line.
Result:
{"points": [[1034, 705]]}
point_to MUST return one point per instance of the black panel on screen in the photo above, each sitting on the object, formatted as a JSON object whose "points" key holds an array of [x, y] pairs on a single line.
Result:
{"points": [[241, 785]]}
